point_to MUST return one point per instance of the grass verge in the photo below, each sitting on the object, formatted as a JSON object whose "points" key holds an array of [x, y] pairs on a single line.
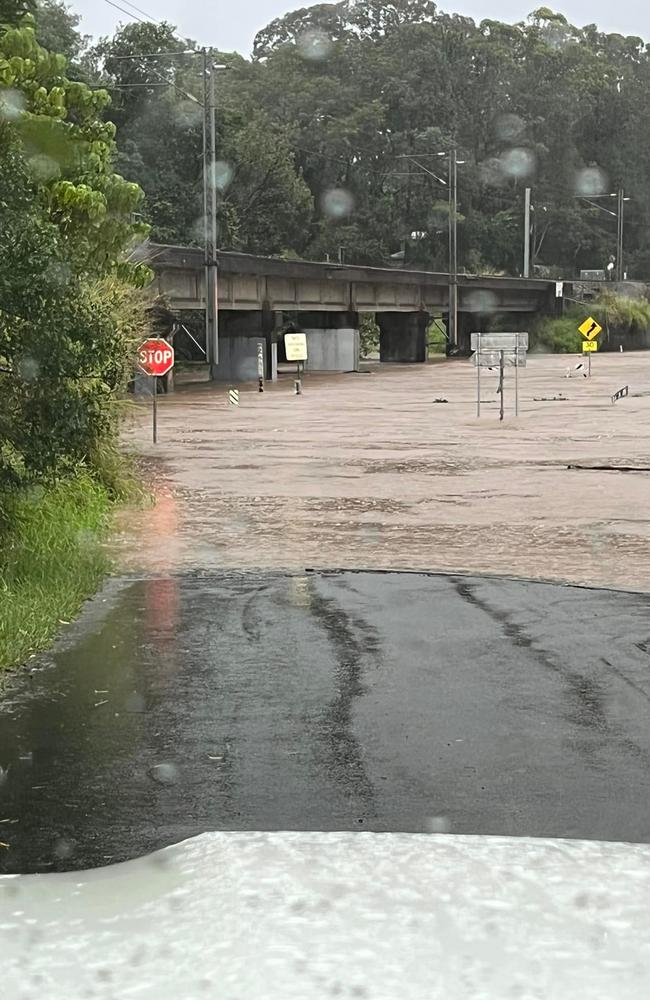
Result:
{"points": [[51, 560]]}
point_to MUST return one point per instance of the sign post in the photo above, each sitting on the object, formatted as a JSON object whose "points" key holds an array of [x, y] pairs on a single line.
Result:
{"points": [[498, 350], [155, 358], [260, 366], [295, 347], [590, 330]]}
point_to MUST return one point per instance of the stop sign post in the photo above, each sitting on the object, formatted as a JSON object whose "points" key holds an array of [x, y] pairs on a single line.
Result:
{"points": [[155, 358]]}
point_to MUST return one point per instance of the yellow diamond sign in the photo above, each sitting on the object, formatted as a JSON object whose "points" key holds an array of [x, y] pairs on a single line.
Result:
{"points": [[589, 345], [590, 328]]}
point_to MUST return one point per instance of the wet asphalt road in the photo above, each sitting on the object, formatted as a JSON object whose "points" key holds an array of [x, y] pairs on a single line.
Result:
{"points": [[387, 702]]}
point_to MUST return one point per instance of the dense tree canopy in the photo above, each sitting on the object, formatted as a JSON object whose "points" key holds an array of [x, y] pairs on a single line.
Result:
{"points": [[330, 136], [66, 225]]}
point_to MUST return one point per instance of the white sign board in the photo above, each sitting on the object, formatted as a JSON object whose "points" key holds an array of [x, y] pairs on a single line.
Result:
{"points": [[492, 359], [499, 341], [295, 346]]}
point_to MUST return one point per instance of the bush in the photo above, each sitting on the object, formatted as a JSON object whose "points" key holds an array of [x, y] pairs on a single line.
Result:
{"points": [[51, 558]]}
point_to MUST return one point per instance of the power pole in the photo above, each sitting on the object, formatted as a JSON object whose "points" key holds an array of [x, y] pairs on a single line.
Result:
{"points": [[527, 233], [619, 235], [206, 210], [452, 332], [212, 302]]}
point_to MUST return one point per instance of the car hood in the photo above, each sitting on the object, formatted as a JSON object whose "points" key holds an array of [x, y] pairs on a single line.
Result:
{"points": [[309, 915]]}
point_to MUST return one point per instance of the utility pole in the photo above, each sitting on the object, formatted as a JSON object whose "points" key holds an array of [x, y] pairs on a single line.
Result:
{"points": [[210, 203], [206, 210], [452, 331], [620, 272], [527, 233]]}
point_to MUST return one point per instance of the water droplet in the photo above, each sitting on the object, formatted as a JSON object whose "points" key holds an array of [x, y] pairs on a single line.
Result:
{"points": [[223, 174], [337, 203], [437, 824], [12, 103], [509, 127], [518, 162], [314, 44], [135, 703], [44, 168], [28, 368], [591, 181], [164, 774], [482, 301], [491, 171], [63, 848]]}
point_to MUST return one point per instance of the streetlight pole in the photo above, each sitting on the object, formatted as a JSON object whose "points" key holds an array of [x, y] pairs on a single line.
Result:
{"points": [[527, 233], [452, 325], [620, 272]]}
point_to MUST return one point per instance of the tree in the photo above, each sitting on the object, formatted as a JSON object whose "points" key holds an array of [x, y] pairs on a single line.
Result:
{"points": [[64, 277], [57, 29]]}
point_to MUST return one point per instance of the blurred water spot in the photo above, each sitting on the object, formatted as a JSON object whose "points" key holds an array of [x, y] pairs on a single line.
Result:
{"points": [[491, 171], [632, 290], [482, 301], [135, 702], [314, 44], [509, 127], [63, 848], [337, 203], [43, 168], [437, 824], [518, 162], [188, 114], [28, 368], [57, 273], [590, 181], [12, 103], [86, 538], [223, 174], [164, 774], [198, 228]]}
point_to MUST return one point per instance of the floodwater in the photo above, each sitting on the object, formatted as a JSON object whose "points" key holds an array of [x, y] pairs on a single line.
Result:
{"points": [[327, 701], [368, 470]]}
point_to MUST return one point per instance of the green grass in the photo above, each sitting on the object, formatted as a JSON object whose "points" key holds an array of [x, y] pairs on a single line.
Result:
{"points": [[51, 560]]}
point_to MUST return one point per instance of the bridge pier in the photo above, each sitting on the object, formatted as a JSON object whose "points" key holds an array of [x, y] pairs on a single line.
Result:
{"points": [[403, 336], [332, 340], [239, 334]]}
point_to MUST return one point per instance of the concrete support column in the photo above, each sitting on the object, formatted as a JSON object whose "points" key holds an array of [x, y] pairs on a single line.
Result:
{"points": [[239, 334], [403, 336], [332, 340]]}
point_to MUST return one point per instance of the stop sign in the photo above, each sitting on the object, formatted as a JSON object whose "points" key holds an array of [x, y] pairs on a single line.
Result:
{"points": [[155, 356]]}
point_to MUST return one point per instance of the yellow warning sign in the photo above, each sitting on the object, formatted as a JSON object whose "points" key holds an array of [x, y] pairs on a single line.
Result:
{"points": [[589, 345], [590, 328]]}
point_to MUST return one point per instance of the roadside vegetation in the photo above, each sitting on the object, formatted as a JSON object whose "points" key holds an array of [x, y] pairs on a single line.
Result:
{"points": [[617, 314], [71, 308]]}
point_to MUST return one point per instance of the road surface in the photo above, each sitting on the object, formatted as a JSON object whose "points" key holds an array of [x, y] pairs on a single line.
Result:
{"points": [[328, 702]]}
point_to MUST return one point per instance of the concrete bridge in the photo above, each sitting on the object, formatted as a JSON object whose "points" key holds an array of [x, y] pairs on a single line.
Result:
{"points": [[258, 296]]}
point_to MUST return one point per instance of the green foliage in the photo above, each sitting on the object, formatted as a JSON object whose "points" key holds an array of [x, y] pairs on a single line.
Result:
{"points": [[359, 96], [51, 558], [557, 336], [68, 310], [368, 334], [617, 314]]}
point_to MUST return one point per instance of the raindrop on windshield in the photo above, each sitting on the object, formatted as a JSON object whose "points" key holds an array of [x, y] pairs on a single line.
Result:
{"points": [[337, 203], [12, 103], [591, 181], [223, 174], [509, 127], [314, 44], [518, 162]]}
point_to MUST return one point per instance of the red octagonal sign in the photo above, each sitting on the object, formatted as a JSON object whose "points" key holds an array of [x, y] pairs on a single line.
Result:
{"points": [[155, 356]]}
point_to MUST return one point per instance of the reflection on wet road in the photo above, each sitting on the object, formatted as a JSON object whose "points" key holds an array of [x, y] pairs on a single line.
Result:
{"points": [[397, 702]]}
